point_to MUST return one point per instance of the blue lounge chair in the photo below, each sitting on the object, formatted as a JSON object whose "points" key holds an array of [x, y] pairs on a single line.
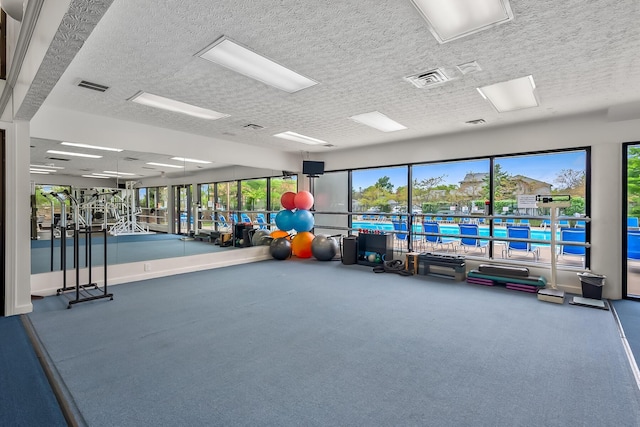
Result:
{"points": [[633, 245], [497, 221], [473, 241], [401, 234], [580, 224], [564, 223], [524, 222], [435, 241], [261, 221], [510, 221], [632, 222], [573, 235], [517, 232], [545, 224], [245, 218], [222, 221]]}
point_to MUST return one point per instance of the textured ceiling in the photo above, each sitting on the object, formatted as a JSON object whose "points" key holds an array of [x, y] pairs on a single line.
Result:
{"points": [[583, 56]]}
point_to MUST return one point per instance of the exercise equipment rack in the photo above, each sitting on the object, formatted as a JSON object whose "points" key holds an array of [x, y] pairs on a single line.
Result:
{"points": [[86, 292]]}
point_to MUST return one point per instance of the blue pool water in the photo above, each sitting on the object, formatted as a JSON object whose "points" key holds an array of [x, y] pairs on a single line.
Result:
{"points": [[452, 229]]}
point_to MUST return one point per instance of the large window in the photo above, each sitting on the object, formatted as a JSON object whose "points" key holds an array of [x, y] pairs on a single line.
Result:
{"points": [[480, 210], [254, 198], [379, 191]]}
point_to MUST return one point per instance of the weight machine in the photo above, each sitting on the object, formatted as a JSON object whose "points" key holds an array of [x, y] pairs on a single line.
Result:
{"points": [[127, 216]]}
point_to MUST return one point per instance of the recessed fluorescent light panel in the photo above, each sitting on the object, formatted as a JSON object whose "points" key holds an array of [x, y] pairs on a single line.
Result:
{"points": [[182, 159], [46, 166], [120, 173], [292, 136], [42, 170], [165, 165], [511, 95], [246, 62], [39, 172], [451, 19], [377, 120], [95, 176], [93, 147], [71, 153], [104, 175], [168, 104]]}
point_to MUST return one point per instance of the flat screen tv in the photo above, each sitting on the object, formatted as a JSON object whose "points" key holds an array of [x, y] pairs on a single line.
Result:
{"points": [[312, 168]]}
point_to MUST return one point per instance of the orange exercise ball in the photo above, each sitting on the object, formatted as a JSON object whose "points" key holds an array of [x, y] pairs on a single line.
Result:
{"points": [[280, 233], [301, 244]]}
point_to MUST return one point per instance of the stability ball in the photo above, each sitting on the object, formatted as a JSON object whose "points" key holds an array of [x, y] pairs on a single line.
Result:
{"points": [[324, 248], [280, 248], [302, 220], [280, 233], [260, 238], [287, 200], [301, 244], [284, 220], [303, 200]]}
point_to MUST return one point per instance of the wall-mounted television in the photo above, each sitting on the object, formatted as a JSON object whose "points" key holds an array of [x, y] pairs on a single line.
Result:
{"points": [[312, 168]]}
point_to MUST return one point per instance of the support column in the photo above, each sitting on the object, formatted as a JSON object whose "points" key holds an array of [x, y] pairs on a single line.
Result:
{"points": [[18, 244]]}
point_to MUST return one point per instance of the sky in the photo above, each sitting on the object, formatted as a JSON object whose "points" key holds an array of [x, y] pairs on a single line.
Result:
{"points": [[543, 167]]}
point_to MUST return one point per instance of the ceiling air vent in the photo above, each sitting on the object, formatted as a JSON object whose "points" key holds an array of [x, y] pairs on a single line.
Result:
{"points": [[428, 78], [93, 86], [254, 126], [58, 158], [130, 159], [145, 167], [476, 122]]}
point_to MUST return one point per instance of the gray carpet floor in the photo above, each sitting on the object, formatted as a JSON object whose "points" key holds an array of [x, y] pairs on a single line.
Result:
{"points": [[306, 343]]}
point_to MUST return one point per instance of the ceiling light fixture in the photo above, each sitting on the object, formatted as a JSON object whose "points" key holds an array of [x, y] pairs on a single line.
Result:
{"points": [[164, 164], [93, 147], [71, 153], [377, 120], [120, 173], [511, 95], [39, 172], [238, 58], [292, 136], [168, 104], [96, 176], [46, 166], [182, 159], [452, 19], [105, 175], [42, 170]]}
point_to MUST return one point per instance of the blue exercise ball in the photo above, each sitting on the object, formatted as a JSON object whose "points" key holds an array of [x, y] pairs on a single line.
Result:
{"points": [[284, 220], [302, 220]]}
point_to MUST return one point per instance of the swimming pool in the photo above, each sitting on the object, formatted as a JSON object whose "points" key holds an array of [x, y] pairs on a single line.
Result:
{"points": [[453, 229]]}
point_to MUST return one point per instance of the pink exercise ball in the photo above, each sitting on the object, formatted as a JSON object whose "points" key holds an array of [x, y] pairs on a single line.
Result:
{"points": [[303, 200]]}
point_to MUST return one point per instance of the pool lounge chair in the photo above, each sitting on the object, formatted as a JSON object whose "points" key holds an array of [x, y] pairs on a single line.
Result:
{"points": [[517, 232], [438, 241], [469, 239], [632, 222], [633, 245], [572, 235]]}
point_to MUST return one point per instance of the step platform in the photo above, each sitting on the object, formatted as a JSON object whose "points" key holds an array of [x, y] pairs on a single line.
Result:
{"points": [[513, 278]]}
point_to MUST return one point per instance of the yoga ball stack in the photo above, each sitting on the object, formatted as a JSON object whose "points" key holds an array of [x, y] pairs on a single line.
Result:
{"points": [[295, 217], [294, 236]]}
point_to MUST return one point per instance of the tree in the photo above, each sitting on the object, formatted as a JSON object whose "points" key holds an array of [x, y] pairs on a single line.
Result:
{"points": [[504, 184], [571, 181], [384, 184], [633, 176]]}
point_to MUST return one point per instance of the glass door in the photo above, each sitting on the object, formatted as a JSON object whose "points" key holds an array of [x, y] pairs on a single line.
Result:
{"points": [[183, 219], [631, 228]]}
